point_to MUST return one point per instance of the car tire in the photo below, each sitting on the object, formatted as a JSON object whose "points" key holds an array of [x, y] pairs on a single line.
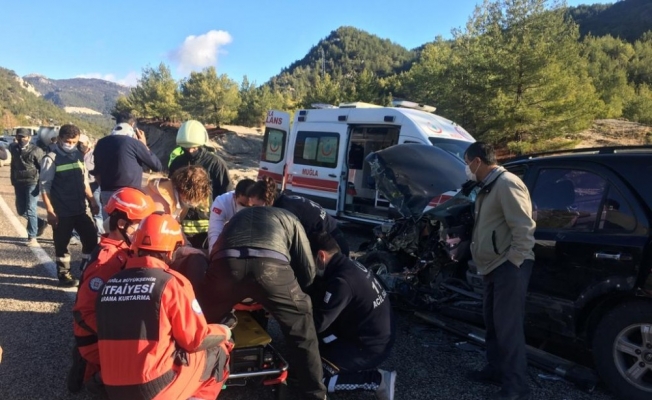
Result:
{"points": [[380, 262], [622, 349]]}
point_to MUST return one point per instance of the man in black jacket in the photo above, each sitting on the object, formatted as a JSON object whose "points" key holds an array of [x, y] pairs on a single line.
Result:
{"points": [[25, 167], [263, 254], [353, 319], [119, 160], [192, 137]]}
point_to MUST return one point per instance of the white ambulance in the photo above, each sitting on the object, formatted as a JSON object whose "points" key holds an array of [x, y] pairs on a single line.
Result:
{"points": [[321, 154]]}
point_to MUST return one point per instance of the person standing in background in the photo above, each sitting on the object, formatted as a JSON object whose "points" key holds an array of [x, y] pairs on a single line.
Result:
{"points": [[86, 148], [119, 160], [25, 166], [502, 248], [65, 190]]}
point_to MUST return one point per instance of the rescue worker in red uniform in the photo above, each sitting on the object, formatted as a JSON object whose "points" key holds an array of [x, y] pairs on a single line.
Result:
{"points": [[154, 341], [126, 208]]}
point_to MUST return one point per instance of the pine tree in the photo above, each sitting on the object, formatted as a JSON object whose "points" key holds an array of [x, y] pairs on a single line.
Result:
{"points": [[157, 94], [209, 97], [608, 61]]}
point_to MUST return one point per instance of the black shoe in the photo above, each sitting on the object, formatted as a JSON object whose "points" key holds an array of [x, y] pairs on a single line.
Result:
{"points": [[95, 385], [66, 280], [502, 395], [486, 376], [41, 225]]}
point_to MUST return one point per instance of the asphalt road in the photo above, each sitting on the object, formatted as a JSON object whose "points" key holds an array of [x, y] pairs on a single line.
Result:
{"points": [[36, 335]]}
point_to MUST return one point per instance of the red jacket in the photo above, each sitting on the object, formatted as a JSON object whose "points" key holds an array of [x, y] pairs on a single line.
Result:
{"points": [[108, 259], [146, 314]]}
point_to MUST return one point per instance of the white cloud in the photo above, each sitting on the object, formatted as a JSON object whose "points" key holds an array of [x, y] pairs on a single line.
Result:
{"points": [[128, 80], [201, 51]]}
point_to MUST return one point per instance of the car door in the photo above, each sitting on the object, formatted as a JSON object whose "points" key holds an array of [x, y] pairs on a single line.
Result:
{"points": [[275, 144], [317, 163], [589, 240]]}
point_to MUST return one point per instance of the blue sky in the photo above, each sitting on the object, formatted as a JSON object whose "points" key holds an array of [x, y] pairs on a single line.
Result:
{"points": [[115, 39]]}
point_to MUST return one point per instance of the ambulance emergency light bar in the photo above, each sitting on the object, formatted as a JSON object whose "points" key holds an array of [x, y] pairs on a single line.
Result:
{"points": [[322, 105], [411, 104]]}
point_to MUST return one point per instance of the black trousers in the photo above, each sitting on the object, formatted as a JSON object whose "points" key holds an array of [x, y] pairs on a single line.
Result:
{"points": [[505, 289], [85, 226], [273, 284], [349, 366]]}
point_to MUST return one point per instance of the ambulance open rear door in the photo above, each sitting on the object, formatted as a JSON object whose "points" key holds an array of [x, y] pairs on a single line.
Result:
{"points": [[273, 160]]}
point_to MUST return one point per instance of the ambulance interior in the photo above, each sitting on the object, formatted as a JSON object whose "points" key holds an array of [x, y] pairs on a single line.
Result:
{"points": [[361, 195]]}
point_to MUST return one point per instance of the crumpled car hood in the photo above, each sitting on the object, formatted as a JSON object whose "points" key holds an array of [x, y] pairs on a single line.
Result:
{"points": [[411, 175]]}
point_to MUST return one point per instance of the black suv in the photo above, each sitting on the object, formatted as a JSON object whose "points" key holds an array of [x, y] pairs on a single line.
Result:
{"points": [[592, 280]]}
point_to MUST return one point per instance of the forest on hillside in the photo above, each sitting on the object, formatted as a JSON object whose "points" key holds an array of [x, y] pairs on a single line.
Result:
{"points": [[18, 106], [519, 74]]}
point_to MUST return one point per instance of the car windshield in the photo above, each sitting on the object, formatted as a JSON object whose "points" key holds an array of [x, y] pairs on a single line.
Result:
{"points": [[453, 146]]}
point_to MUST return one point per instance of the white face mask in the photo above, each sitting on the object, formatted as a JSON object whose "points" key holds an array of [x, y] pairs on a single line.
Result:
{"points": [[67, 147], [470, 175]]}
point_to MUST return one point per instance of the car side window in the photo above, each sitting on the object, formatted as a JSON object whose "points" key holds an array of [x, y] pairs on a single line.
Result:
{"points": [[617, 215], [568, 199]]}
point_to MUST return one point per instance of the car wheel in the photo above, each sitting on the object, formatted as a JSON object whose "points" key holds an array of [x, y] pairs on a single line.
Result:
{"points": [[622, 347], [382, 263]]}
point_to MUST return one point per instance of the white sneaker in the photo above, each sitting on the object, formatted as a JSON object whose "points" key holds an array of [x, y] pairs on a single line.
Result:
{"points": [[32, 242], [386, 389]]}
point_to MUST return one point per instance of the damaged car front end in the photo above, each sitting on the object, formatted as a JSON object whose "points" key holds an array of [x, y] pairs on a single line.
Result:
{"points": [[423, 255]]}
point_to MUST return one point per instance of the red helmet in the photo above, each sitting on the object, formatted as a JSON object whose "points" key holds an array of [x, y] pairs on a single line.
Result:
{"points": [[158, 232], [134, 203]]}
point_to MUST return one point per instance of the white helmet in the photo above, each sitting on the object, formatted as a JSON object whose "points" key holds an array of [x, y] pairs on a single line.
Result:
{"points": [[47, 133], [123, 129], [192, 134]]}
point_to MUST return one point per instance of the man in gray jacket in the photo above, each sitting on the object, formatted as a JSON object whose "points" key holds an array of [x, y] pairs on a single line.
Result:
{"points": [[502, 243]]}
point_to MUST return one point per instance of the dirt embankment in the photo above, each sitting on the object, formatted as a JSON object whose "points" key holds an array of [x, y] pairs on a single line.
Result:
{"points": [[614, 132]]}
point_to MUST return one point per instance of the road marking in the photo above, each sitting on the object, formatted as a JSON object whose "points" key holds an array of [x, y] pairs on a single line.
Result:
{"points": [[40, 254]]}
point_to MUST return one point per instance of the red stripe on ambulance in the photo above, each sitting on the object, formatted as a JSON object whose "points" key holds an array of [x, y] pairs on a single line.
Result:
{"points": [[312, 183]]}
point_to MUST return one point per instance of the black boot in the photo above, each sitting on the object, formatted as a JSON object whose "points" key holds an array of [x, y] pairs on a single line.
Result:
{"points": [[64, 275]]}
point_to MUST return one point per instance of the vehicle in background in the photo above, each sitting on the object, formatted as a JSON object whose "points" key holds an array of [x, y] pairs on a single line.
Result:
{"points": [[321, 155], [4, 143]]}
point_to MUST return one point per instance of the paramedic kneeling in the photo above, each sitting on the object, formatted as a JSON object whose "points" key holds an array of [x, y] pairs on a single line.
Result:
{"points": [[354, 323], [154, 341]]}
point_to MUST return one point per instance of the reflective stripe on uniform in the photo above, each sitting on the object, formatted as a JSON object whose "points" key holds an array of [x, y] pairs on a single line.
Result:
{"points": [[68, 167], [194, 227]]}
